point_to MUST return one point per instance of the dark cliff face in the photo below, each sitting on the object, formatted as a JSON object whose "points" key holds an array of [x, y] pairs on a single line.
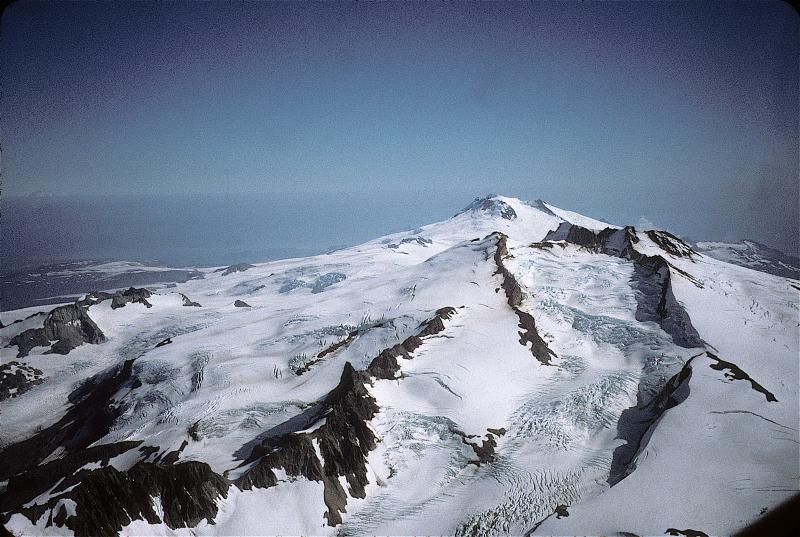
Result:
{"points": [[386, 366], [655, 301], [670, 243], [118, 299], [108, 499], [66, 327], [70, 326], [89, 419], [514, 296], [652, 278], [344, 441]]}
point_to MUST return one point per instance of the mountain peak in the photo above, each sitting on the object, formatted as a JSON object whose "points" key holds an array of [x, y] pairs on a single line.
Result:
{"points": [[493, 205]]}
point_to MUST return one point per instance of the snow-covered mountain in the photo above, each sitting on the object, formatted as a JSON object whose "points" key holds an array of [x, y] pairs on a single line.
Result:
{"points": [[518, 369], [753, 255]]}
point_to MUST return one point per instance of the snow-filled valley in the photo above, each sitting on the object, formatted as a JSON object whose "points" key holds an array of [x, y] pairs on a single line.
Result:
{"points": [[515, 369]]}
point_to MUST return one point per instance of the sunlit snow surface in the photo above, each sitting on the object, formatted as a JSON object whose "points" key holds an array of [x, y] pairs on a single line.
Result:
{"points": [[712, 463]]}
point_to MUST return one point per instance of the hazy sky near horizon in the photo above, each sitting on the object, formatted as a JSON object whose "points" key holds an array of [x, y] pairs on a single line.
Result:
{"points": [[684, 112]]}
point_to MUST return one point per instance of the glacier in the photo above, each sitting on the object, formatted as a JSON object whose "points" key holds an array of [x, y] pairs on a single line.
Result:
{"points": [[515, 369]]}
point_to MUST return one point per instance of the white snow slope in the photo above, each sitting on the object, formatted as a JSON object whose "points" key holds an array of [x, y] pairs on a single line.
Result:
{"points": [[474, 434]]}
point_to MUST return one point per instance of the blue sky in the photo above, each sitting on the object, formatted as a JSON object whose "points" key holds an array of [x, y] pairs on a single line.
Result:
{"points": [[685, 113]]}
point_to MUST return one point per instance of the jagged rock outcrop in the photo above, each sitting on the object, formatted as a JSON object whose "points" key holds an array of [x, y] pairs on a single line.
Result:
{"points": [[344, 440], [385, 365], [26, 486], [486, 448], [514, 296], [652, 274], [239, 267], [636, 424], [241, 304], [108, 499], [118, 299], [670, 243], [89, 419], [351, 336], [188, 302], [17, 378], [65, 328], [656, 302], [421, 241], [492, 206]]}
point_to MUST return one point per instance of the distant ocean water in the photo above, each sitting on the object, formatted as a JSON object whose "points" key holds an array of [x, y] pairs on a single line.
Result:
{"points": [[193, 230]]}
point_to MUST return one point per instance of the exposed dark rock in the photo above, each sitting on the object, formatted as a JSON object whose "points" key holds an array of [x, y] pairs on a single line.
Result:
{"points": [[118, 299], [560, 512], [687, 532], [193, 431], [163, 342], [89, 419], [239, 267], [26, 486], [188, 302], [27, 340], [344, 441], [241, 304], [734, 372], [670, 243], [491, 206], [421, 241], [131, 295], [17, 378], [514, 296], [67, 326], [484, 450], [172, 456], [612, 241], [651, 279], [328, 350], [292, 452], [107, 499], [386, 366], [61, 517]]}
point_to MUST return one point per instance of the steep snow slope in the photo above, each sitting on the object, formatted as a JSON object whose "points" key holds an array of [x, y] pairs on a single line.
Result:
{"points": [[492, 373]]}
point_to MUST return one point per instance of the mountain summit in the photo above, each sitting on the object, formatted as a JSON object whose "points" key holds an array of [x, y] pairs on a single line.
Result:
{"points": [[515, 369]]}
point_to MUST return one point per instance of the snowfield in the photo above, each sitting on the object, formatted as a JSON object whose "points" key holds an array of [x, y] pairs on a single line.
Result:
{"points": [[516, 369]]}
